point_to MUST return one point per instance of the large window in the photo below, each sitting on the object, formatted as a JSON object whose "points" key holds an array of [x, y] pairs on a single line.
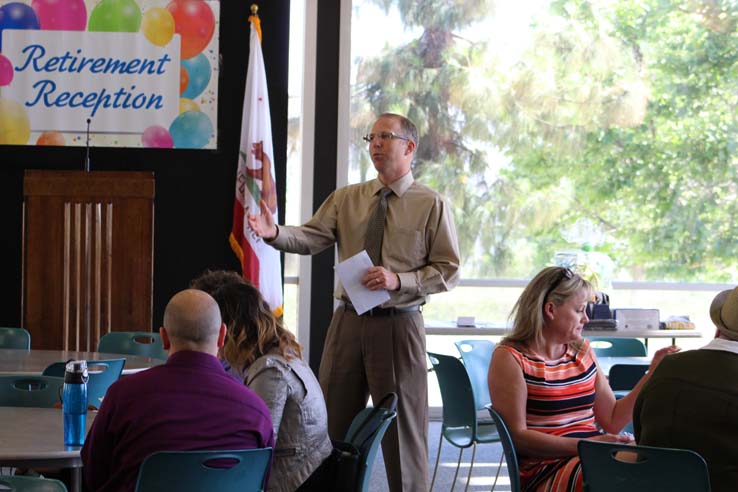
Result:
{"points": [[295, 157], [599, 133]]}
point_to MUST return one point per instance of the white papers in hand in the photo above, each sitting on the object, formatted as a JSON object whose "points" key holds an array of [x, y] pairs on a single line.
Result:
{"points": [[350, 272]]}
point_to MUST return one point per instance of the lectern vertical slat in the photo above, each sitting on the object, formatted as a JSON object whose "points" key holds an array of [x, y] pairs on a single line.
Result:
{"points": [[109, 268], [67, 267], [77, 274], [97, 266]]}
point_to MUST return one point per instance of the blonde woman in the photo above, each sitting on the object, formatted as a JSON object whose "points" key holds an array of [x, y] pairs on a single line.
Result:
{"points": [[269, 360], [545, 381]]}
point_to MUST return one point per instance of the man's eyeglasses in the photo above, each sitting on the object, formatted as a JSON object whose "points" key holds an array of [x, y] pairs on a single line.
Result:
{"points": [[383, 136], [565, 273]]}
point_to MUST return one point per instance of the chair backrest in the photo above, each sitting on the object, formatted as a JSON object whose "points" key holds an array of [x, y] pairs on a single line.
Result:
{"points": [[144, 343], [626, 376], [459, 408], [511, 457], [102, 374], [194, 471], [618, 347], [30, 391], [477, 354], [14, 483], [367, 434], [610, 467], [15, 338]]}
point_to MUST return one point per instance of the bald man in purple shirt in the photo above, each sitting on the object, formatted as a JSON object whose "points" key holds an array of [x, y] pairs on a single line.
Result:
{"points": [[189, 403]]}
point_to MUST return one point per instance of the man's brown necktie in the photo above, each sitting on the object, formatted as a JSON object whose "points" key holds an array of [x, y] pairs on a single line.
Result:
{"points": [[375, 228]]}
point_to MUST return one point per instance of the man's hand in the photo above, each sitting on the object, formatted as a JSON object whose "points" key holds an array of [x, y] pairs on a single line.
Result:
{"points": [[378, 277], [263, 224]]}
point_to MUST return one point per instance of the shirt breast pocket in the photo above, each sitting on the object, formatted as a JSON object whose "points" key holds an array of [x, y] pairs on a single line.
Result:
{"points": [[405, 246]]}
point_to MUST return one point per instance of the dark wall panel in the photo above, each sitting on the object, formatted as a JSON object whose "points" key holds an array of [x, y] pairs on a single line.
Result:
{"points": [[326, 131]]}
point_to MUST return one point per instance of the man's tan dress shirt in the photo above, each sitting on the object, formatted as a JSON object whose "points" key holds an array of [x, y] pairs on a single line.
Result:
{"points": [[419, 244]]}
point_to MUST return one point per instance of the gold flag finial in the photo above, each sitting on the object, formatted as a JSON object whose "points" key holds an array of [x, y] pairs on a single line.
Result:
{"points": [[254, 9]]}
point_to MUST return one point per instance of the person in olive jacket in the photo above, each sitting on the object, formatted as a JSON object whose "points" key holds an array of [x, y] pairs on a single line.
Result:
{"points": [[691, 400]]}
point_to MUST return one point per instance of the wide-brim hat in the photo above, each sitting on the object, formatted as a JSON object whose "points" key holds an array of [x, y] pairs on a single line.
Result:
{"points": [[724, 313]]}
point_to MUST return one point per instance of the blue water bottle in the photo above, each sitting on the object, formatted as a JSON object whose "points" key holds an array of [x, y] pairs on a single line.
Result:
{"points": [[74, 402]]}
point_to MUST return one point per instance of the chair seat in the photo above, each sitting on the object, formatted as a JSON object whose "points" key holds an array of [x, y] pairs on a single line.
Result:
{"points": [[461, 436], [487, 432]]}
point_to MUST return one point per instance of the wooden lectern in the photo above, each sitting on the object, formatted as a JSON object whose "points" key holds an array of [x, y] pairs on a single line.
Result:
{"points": [[88, 244]]}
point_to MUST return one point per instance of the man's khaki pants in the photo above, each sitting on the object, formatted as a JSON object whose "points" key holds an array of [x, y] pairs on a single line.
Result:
{"points": [[365, 356]]}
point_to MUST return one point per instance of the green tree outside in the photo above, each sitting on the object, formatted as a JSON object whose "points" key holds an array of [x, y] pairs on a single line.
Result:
{"points": [[621, 113]]}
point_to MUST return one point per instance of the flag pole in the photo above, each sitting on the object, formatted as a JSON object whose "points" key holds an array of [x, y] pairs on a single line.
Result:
{"points": [[255, 20]]}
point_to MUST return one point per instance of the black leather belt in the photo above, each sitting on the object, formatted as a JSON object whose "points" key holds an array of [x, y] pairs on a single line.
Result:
{"points": [[378, 311]]}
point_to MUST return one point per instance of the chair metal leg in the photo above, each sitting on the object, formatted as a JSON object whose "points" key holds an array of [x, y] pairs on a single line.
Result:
{"points": [[499, 467], [438, 458], [471, 466], [458, 465]]}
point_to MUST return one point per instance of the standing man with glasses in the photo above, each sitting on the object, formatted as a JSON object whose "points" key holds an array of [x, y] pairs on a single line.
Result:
{"points": [[409, 233]]}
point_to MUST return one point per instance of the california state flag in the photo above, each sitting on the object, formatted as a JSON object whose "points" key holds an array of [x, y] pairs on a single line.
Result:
{"points": [[260, 262]]}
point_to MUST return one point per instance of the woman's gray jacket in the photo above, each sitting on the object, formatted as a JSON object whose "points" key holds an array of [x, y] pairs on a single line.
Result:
{"points": [[295, 401]]}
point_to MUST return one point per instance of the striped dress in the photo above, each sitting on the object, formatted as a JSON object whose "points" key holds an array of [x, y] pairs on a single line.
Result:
{"points": [[561, 395]]}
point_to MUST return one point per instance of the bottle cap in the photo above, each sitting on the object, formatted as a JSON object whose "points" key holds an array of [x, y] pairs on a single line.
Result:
{"points": [[76, 371]]}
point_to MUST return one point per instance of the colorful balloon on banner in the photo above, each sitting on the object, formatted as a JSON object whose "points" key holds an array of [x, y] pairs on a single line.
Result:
{"points": [[184, 79], [51, 138], [198, 69], [187, 105], [191, 130], [158, 26], [6, 70], [58, 15], [15, 128], [17, 15], [157, 136], [115, 16], [194, 21]]}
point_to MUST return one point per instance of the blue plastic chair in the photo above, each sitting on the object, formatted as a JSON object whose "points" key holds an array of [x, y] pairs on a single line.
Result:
{"points": [[460, 426], [624, 377], [618, 347], [102, 374], [194, 471], [15, 338], [508, 448], [477, 355], [366, 436], [30, 391], [641, 468], [143, 343], [14, 483]]}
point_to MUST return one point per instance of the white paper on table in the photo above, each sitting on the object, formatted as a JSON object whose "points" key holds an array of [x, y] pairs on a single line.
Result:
{"points": [[350, 272]]}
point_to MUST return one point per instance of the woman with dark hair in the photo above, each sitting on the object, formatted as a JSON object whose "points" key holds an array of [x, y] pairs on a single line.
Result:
{"points": [[545, 381], [269, 359]]}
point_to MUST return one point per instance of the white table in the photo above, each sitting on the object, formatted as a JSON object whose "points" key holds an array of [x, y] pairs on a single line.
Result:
{"points": [[35, 361], [34, 438], [490, 329]]}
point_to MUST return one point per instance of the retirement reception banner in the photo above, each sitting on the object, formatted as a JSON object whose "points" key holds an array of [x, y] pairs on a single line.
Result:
{"points": [[143, 72]]}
